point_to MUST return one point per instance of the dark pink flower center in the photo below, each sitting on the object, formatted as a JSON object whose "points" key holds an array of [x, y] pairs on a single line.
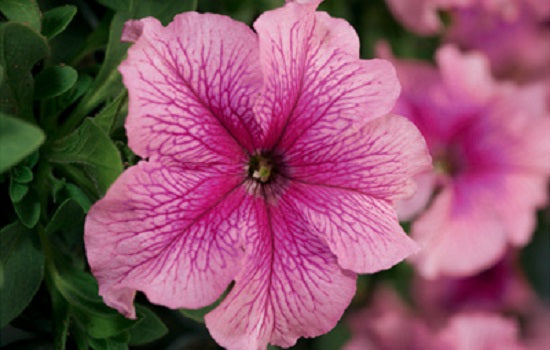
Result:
{"points": [[450, 161], [263, 167]]}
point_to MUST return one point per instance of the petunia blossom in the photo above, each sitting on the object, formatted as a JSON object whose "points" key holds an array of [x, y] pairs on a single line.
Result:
{"points": [[491, 150], [390, 324], [514, 34], [503, 288], [270, 170]]}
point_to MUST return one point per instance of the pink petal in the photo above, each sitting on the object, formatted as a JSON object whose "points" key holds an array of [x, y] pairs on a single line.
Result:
{"points": [[518, 200], [518, 126], [379, 159], [419, 16], [436, 110], [290, 286], [362, 231], [460, 235], [172, 233], [191, 88], [411, 207], [339, 33], [467, 76], [313, 85], [481, 331]]}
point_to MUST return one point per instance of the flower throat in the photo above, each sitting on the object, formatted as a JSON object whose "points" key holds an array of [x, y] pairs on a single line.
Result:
{"points": [[262, 167]]}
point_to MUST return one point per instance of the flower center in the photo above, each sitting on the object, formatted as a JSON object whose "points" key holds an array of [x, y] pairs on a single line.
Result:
{"points": [[451, 161], [261, 167]]}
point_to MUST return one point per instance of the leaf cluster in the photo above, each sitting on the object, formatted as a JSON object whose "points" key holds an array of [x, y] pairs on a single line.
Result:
{"points": [[62, 144]]}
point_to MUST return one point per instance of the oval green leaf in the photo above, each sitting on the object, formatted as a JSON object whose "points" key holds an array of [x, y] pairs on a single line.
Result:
{"points": [[22, 266], [18, 139], [56, 20], [54, 81]]}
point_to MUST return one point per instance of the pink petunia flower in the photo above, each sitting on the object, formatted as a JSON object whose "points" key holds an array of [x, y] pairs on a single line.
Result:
{"points": [[515, 38], [502, 288], [514, 34], [388, 324], [480, 331], [270, 169], [491, 150]]}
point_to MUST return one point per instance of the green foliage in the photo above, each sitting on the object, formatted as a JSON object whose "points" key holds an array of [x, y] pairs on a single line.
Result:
{"points": [[148, 329], [21, 270], [54, 81], [111, 113], [89, 157], [78, 161], [56, 20], [18, 139], [23, 11], [108, 80], [20, 49]]}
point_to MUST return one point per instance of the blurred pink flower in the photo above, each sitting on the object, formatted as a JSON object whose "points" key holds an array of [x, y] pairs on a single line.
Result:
{"points": [[390, 325], [514, 34], [515, 38], [491, 151], [480, 331], [501, 289], [268, 161]]}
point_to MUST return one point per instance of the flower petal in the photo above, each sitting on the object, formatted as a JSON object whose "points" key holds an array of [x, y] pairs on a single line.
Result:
{"points": [[481, 331], [314, 86], [467, 76], [191, 88], [172, 233], [460, 235], [408, 209], [290, 286], [362, 231], [379, 160], [418, 16]]}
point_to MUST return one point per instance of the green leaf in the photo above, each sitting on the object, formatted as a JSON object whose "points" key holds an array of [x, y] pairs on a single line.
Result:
{"points": [[68, 216], [107, 344], [53, 107], [106, 118], [24, 11], [21, 270], [80, 290], [54, 81], [56, 20], [18, 139], [28, 209], [148, 329], [78, 196], [20, 49], [102, 326], [108, 81], [88, 156], [65, 232], [17, 190], [60, 319], [21, 174]]}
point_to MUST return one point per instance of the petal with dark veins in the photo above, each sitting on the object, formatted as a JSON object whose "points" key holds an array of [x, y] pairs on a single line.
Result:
{"points": [[191, 88], [172, 234]]}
